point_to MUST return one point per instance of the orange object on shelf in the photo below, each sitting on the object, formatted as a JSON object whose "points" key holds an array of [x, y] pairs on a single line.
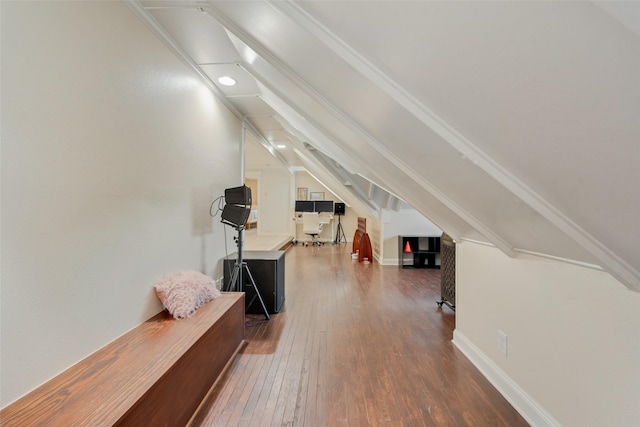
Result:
{"points": [[407, 247]]}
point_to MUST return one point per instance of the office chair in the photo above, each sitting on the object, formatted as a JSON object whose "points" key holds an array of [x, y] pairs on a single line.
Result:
{"points": [[311, 226]]}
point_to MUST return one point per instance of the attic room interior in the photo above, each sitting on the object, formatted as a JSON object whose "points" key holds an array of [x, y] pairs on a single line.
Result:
{"points": [[512, 127]]}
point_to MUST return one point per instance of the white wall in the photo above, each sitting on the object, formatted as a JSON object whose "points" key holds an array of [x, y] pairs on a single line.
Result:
{"points": [[406, 222], [274, 186], [349, 221], [112, 152], [573, 334]]}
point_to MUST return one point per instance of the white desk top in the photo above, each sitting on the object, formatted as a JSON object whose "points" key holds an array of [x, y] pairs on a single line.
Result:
{"points": [[324, 217]]}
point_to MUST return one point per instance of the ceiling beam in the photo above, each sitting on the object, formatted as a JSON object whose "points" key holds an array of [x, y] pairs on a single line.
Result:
{"points": [[614, 264], [348, 123]]}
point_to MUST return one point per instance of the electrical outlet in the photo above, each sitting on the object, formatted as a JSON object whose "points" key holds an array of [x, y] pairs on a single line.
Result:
{"points": [[502, 342]]}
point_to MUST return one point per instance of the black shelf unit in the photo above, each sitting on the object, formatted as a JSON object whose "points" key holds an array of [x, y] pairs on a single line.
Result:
{"points": [[419, 251]]}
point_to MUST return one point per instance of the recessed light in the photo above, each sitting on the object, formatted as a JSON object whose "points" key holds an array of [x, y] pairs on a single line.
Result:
{"points": [[227, 81], [281, 146]]}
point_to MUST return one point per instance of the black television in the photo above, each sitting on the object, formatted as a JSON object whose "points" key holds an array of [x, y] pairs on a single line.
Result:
{"points": [[324, 206], [304, 205]]}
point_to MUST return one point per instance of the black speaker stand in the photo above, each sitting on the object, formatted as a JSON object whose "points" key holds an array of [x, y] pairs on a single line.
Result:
{"points": [[235, 284], [340, 233]]}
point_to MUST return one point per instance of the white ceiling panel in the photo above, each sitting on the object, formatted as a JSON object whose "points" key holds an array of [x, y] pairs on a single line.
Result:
{"points": [[201, 36], [541, 104], [253, 106], [245, 84]]}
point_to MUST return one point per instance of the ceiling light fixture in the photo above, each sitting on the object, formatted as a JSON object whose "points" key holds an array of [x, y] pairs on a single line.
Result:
{"points": [[227, 81], [281, 146]]}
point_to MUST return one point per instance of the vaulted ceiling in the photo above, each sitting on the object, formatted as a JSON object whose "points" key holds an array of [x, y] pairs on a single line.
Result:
{"points": [[513, 123]]}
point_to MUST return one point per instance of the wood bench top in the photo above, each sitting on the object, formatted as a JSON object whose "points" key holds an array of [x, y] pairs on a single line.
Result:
{"points": [[99, 389]]}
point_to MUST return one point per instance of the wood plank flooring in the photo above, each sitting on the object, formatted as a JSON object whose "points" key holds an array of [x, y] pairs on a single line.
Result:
{"points": [[354, 345]]}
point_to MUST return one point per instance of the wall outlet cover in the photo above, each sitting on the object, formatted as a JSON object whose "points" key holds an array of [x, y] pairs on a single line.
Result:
{"points": [[502, 342]]}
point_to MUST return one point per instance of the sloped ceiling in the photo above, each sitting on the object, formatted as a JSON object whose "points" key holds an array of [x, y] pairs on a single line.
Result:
{"points": [[514, 123]]}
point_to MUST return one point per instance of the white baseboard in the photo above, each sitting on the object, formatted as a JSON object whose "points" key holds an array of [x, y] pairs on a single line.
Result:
{"points": [[525, 405]]}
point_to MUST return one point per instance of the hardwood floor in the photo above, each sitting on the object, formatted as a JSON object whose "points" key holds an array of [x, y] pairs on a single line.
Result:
{"points": [[355, 345]]}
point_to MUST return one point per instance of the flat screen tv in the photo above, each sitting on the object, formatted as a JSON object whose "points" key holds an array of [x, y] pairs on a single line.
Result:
{"points": [[304, 205], [324, 206]]}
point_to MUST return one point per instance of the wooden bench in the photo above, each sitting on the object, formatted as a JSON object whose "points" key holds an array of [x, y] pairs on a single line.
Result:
{"points": [[156, 374]]}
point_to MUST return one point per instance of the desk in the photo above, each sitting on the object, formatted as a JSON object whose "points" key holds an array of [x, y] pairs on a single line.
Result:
{"points": [[324, 219]]}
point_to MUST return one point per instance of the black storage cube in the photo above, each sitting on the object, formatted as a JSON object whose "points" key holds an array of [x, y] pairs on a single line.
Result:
{"points": [[267, 270]]}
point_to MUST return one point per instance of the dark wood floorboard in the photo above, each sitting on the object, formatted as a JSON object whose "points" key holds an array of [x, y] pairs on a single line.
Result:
{"points": [[354, 345]]}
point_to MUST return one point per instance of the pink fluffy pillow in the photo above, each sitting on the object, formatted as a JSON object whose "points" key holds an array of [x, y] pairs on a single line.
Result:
{"points": [[183, 293]]}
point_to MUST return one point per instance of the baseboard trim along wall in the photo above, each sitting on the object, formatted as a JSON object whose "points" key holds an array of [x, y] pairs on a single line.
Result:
{"points": [[525, 405]]}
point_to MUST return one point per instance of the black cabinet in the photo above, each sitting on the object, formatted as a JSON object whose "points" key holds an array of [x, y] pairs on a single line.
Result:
{"points": [[419, 251], [267, 270]]}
